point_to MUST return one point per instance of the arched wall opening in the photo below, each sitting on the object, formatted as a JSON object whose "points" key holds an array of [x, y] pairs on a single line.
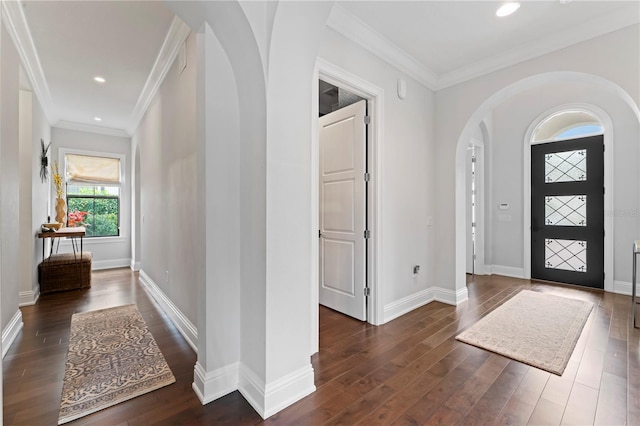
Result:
{"points": [[600, 86]]}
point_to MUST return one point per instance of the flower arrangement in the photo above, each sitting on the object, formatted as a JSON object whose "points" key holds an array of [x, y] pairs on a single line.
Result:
{"points": [[57, 179], [75, 218]]}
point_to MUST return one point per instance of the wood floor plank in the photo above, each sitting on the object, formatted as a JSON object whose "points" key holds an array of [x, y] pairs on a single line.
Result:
{"points": [[612, 401], [581, 406], [520, 406], [489, 407]]}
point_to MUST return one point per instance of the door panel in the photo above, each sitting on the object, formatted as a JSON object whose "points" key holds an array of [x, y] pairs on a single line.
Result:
{"points": [[342, 210], [567, 211], [338, 213]]}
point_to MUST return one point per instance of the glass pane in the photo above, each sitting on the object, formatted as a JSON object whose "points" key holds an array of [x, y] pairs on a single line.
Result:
{"points": [[105, 217], [92, 190], [569, 210], [569, 255], [98, 215], [567, 124], [568, 166]]}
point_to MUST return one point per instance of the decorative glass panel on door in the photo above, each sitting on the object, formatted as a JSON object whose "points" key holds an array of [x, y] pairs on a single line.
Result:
{"points": [[567, 166], [565, 210], [569, 255]]}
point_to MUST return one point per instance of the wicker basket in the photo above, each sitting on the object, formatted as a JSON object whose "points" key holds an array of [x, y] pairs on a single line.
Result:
{"points": [[65, 271]]}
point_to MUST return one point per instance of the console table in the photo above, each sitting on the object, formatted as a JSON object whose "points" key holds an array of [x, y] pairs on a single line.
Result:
{"points": [[72, 233]]}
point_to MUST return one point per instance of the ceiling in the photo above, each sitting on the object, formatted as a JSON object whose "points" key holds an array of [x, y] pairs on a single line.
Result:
{"points": [[133, 43]]}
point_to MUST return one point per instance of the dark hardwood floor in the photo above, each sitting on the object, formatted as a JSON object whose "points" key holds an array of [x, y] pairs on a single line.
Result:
{"points": [[409, 371]]}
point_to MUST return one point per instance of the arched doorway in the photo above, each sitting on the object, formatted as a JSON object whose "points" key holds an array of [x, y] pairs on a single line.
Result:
{"points": [[603, 88]]}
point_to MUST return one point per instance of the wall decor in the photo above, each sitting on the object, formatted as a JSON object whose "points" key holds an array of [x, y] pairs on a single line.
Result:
{"points": [[44, 161]]}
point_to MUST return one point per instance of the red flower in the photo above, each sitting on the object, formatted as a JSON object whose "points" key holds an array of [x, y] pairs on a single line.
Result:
{"points": [[75, 218]]}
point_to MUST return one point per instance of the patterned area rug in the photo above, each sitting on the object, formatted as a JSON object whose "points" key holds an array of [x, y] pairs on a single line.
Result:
{"points": [[535, 328], [112, 358]]}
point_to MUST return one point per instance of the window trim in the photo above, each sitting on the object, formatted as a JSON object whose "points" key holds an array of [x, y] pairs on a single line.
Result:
{"points": [[122, 230]]}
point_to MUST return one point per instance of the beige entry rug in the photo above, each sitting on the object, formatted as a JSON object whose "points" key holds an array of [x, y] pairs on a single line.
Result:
{"points": [[535, 328], [112, 357]]}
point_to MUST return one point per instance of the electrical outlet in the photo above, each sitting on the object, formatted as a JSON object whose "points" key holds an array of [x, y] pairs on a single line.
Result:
{"points": [[416, 269]]}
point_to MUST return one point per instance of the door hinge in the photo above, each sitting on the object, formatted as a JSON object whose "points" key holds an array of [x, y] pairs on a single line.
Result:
{"points": [[367, 177], [367, 292], [367, 233], [319, 233], [367, 119], [473, 159]]}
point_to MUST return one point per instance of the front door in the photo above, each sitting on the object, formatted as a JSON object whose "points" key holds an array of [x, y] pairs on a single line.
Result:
{"points": [[567, 211], [342, 210]]}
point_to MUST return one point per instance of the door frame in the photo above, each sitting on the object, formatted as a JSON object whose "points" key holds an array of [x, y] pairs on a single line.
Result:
{"points": [[607, 126], [325, 70], [480, 267]]}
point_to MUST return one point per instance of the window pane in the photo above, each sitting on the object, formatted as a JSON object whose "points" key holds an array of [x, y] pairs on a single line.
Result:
{"points": [[568, 166], [569, 210], [98, 213], [105, 217], [569, 255], [582, 130], [92, 190]]}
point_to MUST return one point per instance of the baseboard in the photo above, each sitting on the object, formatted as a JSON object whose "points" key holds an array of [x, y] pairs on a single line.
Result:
{"points": [[28, 298], [11, 331], [135, 266], [450, 297], [182, 323], [400, 307], [507, 271], [268, 399], [97, 265], [210, 386], [623, 287]]}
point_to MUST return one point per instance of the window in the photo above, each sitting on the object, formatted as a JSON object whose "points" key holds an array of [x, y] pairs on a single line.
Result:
{"points": [[567, 125], [93, 194]]}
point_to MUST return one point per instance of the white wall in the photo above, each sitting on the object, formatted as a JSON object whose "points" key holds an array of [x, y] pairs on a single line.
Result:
{"points": [[612, 57], [40, 191], [108, 252], [166, 140], [9, 178], [408, 170], [34, 193]]}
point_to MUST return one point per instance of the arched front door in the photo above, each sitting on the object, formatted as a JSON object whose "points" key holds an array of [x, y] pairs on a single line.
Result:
{"points": [[567, 200]]}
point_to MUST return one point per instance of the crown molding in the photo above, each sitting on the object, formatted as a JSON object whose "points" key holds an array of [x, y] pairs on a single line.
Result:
{"points": [[18, 29], [176, 36], [345, 23], [88, 128], [360, 33], [585, 31]]}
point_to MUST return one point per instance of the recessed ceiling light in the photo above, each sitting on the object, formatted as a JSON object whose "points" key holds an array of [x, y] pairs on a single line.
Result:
{"points": [[99, 79], [507, 9], [97, 118]]}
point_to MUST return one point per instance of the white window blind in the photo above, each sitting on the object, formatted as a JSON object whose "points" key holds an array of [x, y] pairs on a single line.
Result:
{"points": [[89, 169]]}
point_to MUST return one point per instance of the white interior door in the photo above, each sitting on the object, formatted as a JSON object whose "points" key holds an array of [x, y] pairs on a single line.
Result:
{"points": [[342, 210]]}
